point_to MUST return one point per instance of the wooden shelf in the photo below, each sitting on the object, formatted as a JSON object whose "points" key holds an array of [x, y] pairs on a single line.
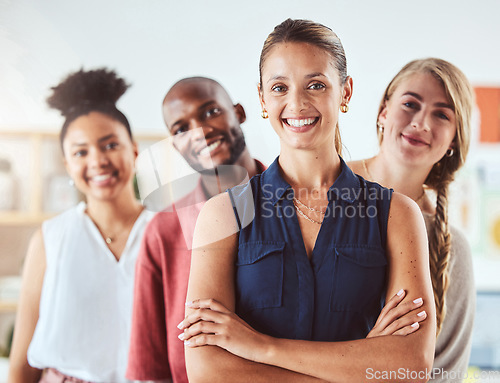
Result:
{"points": [[8, 306], [17, 218]]}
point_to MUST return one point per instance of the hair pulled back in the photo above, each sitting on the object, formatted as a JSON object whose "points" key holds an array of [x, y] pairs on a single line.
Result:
{"points": [[83, 92]]}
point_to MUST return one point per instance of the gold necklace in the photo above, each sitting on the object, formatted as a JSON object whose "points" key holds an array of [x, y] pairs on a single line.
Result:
{"points": [[372, 179], [304, 215], [109, 239], [307, 207]]}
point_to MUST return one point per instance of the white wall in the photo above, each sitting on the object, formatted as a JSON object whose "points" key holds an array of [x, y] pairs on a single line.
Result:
{"points": [[153, 43]]}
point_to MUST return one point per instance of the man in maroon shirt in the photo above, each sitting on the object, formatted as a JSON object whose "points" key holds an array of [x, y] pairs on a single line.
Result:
{"points": [[205, 126]]}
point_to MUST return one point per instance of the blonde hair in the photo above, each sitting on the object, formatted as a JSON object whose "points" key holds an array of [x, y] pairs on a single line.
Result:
{"points": [[316, 34], [460, 94]]}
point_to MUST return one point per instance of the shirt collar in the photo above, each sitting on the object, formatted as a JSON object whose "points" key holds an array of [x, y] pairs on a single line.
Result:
{"points": [[345, 187], [347, 184]]}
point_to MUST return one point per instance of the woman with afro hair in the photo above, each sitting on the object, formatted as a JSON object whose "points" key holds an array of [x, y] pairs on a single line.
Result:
{"points": [[73, 319]]}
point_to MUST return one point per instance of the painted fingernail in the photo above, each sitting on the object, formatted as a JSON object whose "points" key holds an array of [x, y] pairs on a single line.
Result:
{"points": [[400, 292], [189, 304], [180, 325], [421, 313], [417, 301], [187, 343], [414, 325], [181, 336]]}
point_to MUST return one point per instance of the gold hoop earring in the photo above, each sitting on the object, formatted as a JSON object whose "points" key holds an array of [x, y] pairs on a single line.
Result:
{"points": [[449, 152], [344, 108], [264, 114]]}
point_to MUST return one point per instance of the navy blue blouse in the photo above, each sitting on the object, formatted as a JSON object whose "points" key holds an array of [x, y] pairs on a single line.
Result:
{"points": [[335, 295]]}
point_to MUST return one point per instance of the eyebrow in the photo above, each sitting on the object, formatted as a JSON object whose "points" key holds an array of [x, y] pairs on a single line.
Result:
{"points": [[438, 104], [202, 106], [316, 74], [102, 139], [308, 76]]}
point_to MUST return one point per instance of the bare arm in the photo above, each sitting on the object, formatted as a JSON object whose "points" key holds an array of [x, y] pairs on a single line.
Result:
{"points": [[27, 313], [332, 361], [212, 275]]}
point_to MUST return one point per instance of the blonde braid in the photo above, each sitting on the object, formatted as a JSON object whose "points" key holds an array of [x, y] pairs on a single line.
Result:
{"points": [[439, 252]]}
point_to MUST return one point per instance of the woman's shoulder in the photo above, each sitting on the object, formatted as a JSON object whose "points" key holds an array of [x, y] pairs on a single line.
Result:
{"points": [[374, 189], [459, 243], [356, 166], [65, 218], [217, 221], [404, 214]]}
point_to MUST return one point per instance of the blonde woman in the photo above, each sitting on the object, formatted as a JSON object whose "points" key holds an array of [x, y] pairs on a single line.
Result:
{"points": [[424, 128]]}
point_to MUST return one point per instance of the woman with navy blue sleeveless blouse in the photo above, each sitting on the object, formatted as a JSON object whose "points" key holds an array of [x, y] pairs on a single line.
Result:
{"points": [[290, 271], [338, 293]]}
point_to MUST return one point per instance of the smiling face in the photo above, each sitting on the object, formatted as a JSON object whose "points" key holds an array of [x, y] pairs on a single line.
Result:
{"points": [[302, 94], [99, 156], [204, 123], [418, 120]]}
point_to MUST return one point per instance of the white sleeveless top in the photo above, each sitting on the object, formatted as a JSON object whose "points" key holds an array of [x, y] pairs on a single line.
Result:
{"points": [[83, 328]]}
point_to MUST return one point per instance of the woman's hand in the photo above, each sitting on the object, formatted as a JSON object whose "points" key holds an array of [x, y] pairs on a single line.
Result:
{"points": [[211, 323], [398, 319]]}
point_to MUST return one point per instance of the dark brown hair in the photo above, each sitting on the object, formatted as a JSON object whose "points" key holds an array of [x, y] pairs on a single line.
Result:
{"points": [[83, 92], [316, 34], [306, 31]]}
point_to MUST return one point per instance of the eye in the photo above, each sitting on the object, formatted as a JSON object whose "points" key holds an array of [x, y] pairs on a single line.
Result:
{"points": [[443, 116], [278, 88], [410, 105], [80, 153], [181, 129], [316, 86], [111, 146], [212, 112]]}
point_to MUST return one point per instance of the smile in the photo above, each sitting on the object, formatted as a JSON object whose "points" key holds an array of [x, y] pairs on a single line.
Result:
{"points": [[414, 140], [102, 178], [296, 123], [208, 149]]}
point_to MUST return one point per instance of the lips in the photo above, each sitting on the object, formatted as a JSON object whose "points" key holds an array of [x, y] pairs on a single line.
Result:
{"points": [[300, 124], [100, 178], [209, 148], [103, 179], [415, 140]]}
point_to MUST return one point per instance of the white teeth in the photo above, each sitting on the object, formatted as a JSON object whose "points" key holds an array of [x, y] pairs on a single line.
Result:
{"points": [[300, 123], [101, 178], [206, 151]]}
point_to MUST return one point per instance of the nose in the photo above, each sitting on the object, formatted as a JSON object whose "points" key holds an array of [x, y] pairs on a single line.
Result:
{"points": [[199, 130], [297, 100], [98, 158], [420, 121]]}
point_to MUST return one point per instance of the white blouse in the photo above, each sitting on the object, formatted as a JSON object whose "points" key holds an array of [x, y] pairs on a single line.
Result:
{"points": [[86, 303]]}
